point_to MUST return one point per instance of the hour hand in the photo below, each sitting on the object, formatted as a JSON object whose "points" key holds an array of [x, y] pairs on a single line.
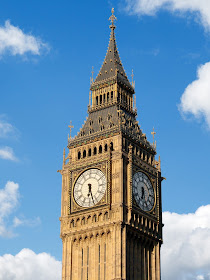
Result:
{"points": [[89, 190]]}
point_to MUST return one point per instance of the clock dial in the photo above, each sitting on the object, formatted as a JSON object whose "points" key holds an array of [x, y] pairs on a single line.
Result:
{"points": [[143, 191], [90, 187]]}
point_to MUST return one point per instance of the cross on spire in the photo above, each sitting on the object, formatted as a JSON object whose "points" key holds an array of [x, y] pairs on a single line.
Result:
{"points": [[112, 19], [92, 72], [153, 134], [133, 82], [132, 75], [70, 126]]}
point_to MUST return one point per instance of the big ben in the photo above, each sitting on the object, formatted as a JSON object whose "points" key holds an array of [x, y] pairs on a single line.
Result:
{"points": [[111, 209]]}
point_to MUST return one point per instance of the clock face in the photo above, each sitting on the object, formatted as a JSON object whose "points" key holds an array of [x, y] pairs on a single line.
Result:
{"points": [[143, 191], [90, 187]]}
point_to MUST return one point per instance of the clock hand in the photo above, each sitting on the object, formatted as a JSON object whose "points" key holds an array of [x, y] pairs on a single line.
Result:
{"points": [[89, 191], [142, 194], [92, 196]]}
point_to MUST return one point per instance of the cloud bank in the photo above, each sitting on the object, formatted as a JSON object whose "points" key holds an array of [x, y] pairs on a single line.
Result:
{"points": [[14, 41], [196, 97], [185, 252], [27, 265], [199, 8]]}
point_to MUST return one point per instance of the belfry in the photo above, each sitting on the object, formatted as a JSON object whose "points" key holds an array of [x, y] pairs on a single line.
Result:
{"points": [[111, 209]]}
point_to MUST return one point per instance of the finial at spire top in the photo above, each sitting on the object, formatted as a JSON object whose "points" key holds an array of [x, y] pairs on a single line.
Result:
{"points": [[112, 19], [132, 75]]}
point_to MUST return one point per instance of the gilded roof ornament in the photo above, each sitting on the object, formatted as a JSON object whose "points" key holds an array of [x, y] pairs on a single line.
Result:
{"points": [[112, 19], [153, 135], [70, 126]]}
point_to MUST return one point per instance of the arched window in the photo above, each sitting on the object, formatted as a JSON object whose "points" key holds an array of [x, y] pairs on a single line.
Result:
{"points": [[95, 151], [83, 221], [94, 218], [106, 216], [96, 100], [79, 155], [126, 145], [89, 152], [111, 94], [137, 151], [84, 153], [72, 224], [100, 149], [100, 99], [109, 117], [111, 125], [105, 148], [107, 96], [111, 146]]}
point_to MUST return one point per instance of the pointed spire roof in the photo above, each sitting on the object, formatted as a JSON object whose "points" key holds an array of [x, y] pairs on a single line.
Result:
{"points": [[112, 65]]}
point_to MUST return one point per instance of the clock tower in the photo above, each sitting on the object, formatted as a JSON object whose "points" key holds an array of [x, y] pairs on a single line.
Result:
{"points": [[111, 213]]}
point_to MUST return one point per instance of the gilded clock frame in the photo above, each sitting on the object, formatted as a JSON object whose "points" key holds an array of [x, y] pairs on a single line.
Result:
{"points": [[103, 202]]}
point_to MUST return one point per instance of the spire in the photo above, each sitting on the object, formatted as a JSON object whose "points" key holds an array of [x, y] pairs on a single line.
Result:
{"points": [[112, 65]]}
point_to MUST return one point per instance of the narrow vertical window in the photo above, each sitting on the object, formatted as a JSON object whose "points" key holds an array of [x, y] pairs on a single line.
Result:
{"points": [[129, 260], [105, 261], [133, 258], [99, 261], [82, 265], [87, 262]]}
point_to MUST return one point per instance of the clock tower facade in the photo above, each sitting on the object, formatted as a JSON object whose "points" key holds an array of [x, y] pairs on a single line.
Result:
{"points": [[111, 214]]}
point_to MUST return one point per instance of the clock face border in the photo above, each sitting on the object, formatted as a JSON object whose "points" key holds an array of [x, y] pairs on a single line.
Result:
{"points": [[100, 202], [155, 197]]}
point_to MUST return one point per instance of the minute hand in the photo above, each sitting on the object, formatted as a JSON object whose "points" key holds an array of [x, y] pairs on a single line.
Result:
{"points": [[92, 197]]}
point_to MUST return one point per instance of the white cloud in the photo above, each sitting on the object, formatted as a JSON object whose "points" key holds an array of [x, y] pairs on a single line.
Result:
{"points": [[8, 202], [196, 97], [6, 128], [7, 153], [27, 265], [185, 252], [15, 41], [200, 8], [26, 222]]}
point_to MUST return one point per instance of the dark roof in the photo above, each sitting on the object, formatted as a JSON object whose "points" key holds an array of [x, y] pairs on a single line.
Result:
{"points": [[112, 66]]}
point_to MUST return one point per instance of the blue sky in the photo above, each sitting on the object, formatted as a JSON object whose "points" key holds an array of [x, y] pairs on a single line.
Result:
{"points": [[47, 50]]}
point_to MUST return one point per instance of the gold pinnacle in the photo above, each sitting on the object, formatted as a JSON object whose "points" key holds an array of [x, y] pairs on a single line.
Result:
{"points": [[91, 80], [112, 19], [70, 126], [153, 134], [132, 75]]}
